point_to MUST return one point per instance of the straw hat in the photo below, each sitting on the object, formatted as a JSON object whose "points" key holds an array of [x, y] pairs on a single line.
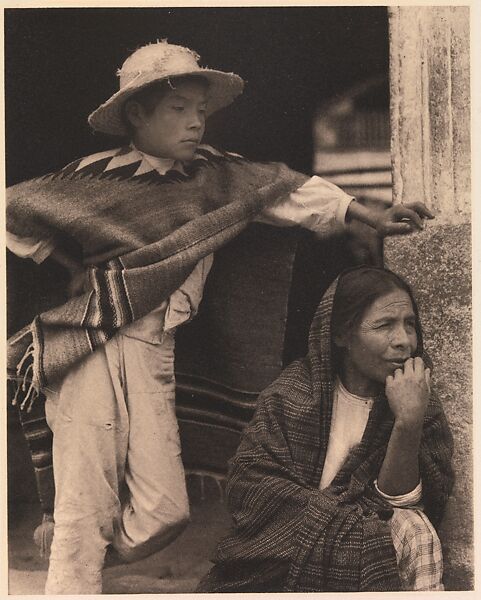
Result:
{"points": [[155, 62]]}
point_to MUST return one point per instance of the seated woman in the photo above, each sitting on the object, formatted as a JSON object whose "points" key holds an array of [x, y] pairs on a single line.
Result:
{"points": [[345, 469]]}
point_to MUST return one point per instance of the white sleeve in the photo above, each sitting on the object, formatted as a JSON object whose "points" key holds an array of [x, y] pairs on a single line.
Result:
{"points": [[317, 205], [404, 500], [28, 247]]}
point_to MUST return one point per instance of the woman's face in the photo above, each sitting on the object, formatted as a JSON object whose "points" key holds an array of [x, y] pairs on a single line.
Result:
{"points": [[380, 344]]}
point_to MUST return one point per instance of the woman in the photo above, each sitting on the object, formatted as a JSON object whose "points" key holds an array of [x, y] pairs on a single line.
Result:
{"points": [[345, 467]]}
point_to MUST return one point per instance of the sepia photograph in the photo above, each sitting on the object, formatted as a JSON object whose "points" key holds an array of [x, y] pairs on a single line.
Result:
{"points": [[239, 297]]}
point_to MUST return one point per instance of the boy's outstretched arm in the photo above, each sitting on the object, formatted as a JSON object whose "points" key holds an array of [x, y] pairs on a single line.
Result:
{"points": [[326, 209], [393, 220]]}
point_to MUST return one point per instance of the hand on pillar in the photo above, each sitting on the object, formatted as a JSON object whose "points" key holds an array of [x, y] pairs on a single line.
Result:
{"points": [[391, 220], [402, 219]]}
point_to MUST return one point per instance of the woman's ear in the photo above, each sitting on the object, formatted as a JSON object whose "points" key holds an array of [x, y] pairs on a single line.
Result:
{"points": [[135, 113]]}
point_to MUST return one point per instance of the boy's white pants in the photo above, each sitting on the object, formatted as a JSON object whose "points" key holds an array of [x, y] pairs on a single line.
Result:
{"points": [[119, 477]]}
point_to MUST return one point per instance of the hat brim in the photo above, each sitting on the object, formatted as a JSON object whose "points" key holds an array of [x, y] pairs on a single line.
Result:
{"points": [[223, 89]]}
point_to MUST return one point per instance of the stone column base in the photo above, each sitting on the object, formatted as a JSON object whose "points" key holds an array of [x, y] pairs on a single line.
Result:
{"points": [[437, 264]]}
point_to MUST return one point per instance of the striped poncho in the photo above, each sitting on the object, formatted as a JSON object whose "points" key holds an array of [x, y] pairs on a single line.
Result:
{"points": [[287, 534], [141, 235]]}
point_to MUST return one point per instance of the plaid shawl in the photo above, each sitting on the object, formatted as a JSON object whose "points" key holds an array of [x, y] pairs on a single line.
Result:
{"points": [[141, 235], [290, 536]]}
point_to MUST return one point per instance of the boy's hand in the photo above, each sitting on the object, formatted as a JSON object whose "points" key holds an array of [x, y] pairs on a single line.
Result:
{"points": [[78, 282], [402, 219]]}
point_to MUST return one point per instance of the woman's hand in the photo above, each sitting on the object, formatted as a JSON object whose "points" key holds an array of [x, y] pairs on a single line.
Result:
{"points": [[407, 392], [402, 219]]}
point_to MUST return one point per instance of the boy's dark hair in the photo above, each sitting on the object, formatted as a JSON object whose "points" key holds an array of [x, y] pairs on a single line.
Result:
{"points": [[150, 95]]}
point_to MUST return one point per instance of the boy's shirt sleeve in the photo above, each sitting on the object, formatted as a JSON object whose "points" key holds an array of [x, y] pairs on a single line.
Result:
{"points": [[29, 247], [317, 205]]}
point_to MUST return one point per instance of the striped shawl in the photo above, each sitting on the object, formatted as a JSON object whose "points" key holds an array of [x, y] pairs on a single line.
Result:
{"points": [[141, 235], [287, 534]]}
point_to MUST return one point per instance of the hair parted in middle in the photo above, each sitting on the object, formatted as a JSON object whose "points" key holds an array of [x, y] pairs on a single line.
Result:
{"points": [[358, 288]]}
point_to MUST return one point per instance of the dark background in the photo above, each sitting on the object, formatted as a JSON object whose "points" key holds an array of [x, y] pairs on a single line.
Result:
{"points": [[61, 63]]}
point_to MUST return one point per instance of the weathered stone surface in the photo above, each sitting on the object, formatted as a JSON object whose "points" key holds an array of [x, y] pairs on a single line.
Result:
{"points": [[437, 264], [430, 108], [430, 122]]}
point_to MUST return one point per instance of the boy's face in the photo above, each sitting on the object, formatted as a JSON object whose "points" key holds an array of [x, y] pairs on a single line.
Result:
{"points": [[176, 126]]}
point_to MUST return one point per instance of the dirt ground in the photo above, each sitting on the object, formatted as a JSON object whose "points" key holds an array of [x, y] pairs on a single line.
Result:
{"points": [[176, 569]]}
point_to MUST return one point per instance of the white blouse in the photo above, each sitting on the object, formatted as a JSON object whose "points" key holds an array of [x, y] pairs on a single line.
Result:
{"points": [[350, 414]]}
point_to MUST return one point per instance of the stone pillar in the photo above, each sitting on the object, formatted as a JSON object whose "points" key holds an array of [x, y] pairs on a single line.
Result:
{"points": [[430, 120]]}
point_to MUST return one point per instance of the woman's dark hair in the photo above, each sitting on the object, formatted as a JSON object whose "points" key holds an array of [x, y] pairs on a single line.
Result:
{"points": [[356, 291], [150, 95]]}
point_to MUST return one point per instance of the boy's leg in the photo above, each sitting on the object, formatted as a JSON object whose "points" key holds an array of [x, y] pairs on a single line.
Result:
{"points": [[157, 508], [89, 419], [418, 550]]}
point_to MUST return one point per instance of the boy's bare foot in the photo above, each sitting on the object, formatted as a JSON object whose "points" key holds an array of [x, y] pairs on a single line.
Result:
{"points": [[43, 535]]}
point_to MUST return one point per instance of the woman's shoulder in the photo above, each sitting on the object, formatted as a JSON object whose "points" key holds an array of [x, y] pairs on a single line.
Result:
{"points": [[291, 389]]}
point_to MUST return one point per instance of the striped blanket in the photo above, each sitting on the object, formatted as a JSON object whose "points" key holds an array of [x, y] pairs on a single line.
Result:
{"points": [[290, 536], [141, 235]]}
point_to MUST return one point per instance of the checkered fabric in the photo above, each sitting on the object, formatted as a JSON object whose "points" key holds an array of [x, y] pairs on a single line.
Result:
{"points": [[418, 551]]}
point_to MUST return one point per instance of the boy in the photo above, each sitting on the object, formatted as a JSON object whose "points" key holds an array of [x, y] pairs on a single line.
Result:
{"points": [[119, 479]]}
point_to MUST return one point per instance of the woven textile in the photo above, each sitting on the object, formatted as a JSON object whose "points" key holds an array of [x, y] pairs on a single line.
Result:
{"points": [[141, 235], [290, 536], [418, 551], [141, 232]]}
